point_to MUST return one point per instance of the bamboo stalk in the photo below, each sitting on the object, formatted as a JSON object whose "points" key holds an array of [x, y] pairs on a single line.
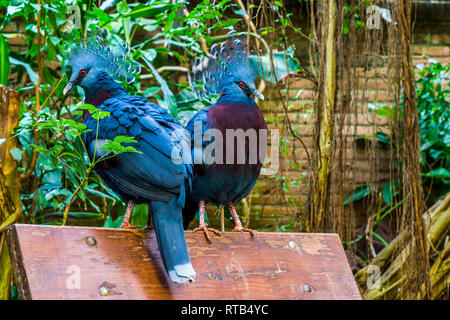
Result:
{"points": [[437, 224], [439, 273]]}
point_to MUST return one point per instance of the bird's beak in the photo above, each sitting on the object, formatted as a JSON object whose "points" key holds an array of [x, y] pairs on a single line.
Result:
{"points": [[258, 94], [67, 88]]}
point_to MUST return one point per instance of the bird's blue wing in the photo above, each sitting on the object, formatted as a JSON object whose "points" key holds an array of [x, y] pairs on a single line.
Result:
{"points": [[157, 171], [197, 126]]}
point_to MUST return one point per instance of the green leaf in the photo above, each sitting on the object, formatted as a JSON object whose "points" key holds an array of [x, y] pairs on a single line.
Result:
{"points": [[12, 10], [150, 54], [148, 11], [140, 215], [116, 146], [16, 153], [283, 61], [96, 113], [52, 179], [98, 193], [169, 97], [142, 10], [124, 139], [229, 22], [390, 190], [41, 149], [123, 7], [186, 99], [358, 194], [88, 107], [93, 205], [240, 12], [107, 4], [383, 138], [278, 3], [109, 223], [34, 77], [426, 146], [151, 91], [101, 15], [439, 173]]}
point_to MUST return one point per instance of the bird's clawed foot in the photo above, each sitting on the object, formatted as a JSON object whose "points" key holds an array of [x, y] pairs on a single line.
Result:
{"points": [[126, 226], [241, 229], [205, 230], [202, 225], [237, 222]]}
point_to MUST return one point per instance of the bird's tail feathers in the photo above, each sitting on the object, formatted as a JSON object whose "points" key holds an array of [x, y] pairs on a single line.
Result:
{"points": [[189, 211], [168, 223]]}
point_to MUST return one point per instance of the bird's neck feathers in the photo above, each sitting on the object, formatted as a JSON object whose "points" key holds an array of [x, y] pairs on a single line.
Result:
{"points": [[234, 94], [103, 88]]}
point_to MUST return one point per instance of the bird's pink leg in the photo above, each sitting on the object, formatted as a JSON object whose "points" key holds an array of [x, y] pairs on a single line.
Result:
{"points": [[237, 222], [202, 225], [127, 217]]}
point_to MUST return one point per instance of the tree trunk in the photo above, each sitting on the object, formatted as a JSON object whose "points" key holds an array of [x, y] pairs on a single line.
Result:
{"points": [[10, 204], [324, 106], [414, 205]]}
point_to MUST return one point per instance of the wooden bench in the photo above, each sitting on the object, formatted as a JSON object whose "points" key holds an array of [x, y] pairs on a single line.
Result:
{"points": [[95, 263]]}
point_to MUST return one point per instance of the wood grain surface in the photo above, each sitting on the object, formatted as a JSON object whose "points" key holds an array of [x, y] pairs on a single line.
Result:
{"points": [[95, 263]]}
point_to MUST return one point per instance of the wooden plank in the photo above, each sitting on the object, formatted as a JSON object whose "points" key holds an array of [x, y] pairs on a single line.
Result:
{"points": [[96, 263]]}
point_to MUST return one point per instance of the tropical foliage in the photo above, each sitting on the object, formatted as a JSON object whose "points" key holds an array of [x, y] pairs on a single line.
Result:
{"points": [[164, 38]]}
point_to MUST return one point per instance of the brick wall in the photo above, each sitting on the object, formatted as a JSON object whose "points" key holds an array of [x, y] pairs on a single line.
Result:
{"points": [[273, 206]]}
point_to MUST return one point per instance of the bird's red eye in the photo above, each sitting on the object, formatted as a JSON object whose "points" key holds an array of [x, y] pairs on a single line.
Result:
{"points": [[241, 85], [83, 73]]}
